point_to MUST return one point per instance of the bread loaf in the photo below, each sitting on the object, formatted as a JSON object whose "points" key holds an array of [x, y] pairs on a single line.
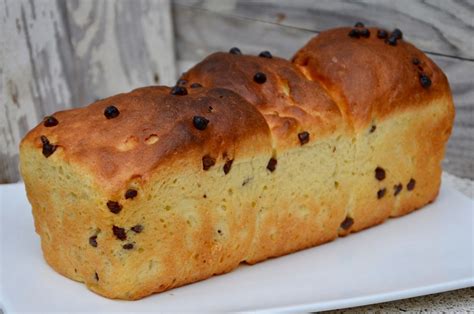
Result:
{"points": [[246, 158]]}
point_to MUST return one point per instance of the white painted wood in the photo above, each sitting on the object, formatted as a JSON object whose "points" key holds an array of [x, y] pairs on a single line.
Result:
{"points": [[442, 26], [118, 45], [62, 54], [460, 150], [33, 80]]}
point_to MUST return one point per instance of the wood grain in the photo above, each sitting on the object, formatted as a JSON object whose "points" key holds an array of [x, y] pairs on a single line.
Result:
{"points": [[442, 26], [460, 151], [61, 54], [204, 29]]}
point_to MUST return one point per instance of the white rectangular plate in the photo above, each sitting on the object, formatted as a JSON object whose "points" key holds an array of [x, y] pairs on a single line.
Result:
{"points": [[428, 251]]}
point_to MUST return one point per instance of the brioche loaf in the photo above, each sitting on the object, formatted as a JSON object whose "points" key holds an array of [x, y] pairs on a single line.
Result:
{"points": [[246, 158]]}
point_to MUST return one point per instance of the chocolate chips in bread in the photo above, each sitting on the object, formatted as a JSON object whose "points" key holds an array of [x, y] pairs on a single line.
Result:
{"points": [[246, 158]]}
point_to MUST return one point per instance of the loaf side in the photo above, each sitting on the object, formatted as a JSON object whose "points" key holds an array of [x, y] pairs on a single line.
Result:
{"points": [[399, 104], [393, 125], [246, 158]]}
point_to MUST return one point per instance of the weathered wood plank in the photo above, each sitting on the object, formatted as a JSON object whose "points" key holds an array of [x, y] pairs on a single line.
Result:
{"points": [[460, 150], [61, 54], [117, 46], [31, 75], [442, 26], [199, 33]]}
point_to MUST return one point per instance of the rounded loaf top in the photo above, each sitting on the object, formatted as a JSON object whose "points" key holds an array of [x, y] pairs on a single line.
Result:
{"points": [[291, 104], [128, 135], [371, 72]]}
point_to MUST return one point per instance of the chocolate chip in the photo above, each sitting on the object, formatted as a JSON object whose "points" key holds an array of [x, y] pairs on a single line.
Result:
{"points": [[425, 81], [381, 193], [111, 112], [48, 148], [208, 162], [364, 33], [131, 193], [179, 91], [96, 276], [235, 51], [260, 78], [347, 223], [397, 189], [93, 241], [137, 228], [265, 54], [359, 24], [200, 123], [392, 41], [382, 34], [50, 121], [272, 164], [114, 207], [379, 173], [303, 137], [354, 33], [128, 246], [204, 196], [411, 184], [181, 82], [415, 61], [372, 129], [228, 165], [196, 85], [397, 33], [119, 233], [44, 139]]}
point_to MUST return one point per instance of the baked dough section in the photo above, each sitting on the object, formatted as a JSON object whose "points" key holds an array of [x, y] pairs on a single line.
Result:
{"points": [[137, 193]]}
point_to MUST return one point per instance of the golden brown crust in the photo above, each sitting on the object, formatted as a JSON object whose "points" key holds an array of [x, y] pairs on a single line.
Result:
{"points": [[290, 103], [154, 128], [207, 198], [368, 78]]}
